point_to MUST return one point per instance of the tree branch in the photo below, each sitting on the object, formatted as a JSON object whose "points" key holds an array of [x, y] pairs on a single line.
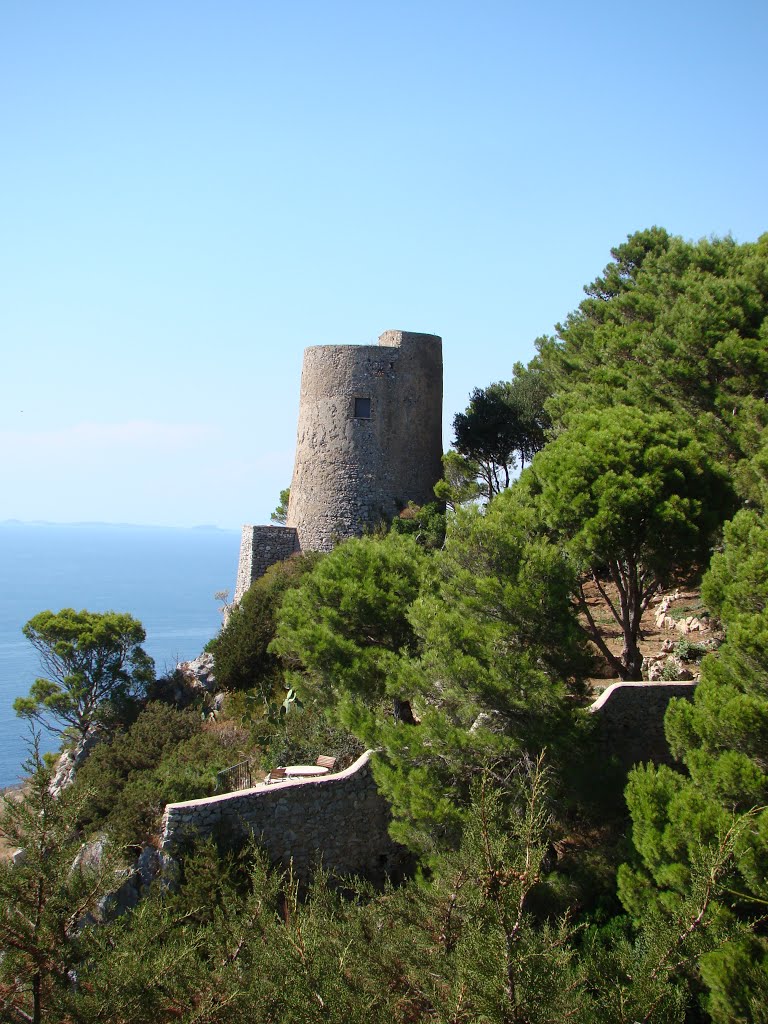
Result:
{"points": [[594, 634]]}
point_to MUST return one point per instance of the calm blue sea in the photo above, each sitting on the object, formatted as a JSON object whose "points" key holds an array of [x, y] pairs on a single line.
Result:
{"points": [[166, 578]]}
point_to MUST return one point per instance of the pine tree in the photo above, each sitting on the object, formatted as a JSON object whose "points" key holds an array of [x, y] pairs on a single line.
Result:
{"points": [[498, 649], [46, 898], [721, 737]]}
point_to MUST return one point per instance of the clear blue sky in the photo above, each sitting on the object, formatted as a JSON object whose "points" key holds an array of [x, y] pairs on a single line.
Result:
{"points": [[192, 192]]}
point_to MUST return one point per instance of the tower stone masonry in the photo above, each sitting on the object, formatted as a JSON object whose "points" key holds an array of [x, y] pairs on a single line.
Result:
{"points": [[369, 440]]}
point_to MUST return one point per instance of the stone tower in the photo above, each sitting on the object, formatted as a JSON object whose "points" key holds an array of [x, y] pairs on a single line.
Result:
{"points": [[369, 437], [369, 440]]}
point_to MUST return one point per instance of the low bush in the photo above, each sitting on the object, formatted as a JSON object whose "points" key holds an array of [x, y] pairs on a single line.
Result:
{"points": [[302, 736], [165, 756], [687, 651], [670, 673], [240, 650]]}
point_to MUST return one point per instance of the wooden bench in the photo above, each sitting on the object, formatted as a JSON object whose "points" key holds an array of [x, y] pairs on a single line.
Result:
{"points": [[276, 775], [326, 762]]}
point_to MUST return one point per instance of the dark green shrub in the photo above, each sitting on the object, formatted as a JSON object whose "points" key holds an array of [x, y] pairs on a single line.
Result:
{"points": [[187, 772], [167, 755], [685, 650], [425, 523], [302, 736], [240, 650], [140, 748], [670, 673]]}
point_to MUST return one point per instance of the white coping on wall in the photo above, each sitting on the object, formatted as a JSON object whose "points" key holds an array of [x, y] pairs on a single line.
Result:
{"points": [[264, 787], [605, 696]]}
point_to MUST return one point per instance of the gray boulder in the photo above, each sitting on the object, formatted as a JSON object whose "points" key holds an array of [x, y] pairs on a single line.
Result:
{"points": [[70, 760], [199, 673]]}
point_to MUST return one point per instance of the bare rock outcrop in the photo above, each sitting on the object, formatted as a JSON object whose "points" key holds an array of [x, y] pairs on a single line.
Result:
{"points": [[70, 760]]}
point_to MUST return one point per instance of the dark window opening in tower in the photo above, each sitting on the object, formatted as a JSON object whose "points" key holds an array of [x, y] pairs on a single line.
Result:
{"points": [[362, 408]]}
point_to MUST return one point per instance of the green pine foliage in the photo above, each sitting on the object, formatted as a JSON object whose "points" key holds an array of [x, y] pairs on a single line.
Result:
{"points": [[241, 650], [671, 326], [497, 650], [239, 942], [345, 628], [425, 523], [167, 755], [46, 898], [489, 435], [721, 737], [504, 425], [460, 481], [627, 491], [97, 670], [280, 515]]}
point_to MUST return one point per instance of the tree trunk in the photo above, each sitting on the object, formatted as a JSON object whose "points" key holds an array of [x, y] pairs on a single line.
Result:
{"points": [[627, 613], [37, 1006], [631, 660], [630, 596]]}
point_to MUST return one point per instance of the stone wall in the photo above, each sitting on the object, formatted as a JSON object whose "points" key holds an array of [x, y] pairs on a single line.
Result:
{"points": [[260, 547], [631, 720], [338, 819], [342, 820], [354, 469]]}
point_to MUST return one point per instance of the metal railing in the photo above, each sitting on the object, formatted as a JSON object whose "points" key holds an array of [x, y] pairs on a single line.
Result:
{"points": [[238, 776]]}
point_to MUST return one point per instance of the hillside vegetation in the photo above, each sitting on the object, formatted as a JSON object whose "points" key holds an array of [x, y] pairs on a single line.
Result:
{"points": [[628, 459]]}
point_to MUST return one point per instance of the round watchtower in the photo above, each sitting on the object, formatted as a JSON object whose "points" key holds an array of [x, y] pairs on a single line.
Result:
{"points": [[369, 437]]}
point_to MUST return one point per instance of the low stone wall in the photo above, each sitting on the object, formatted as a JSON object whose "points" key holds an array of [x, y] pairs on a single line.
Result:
{"points": [[340, 820], [631, 720]]}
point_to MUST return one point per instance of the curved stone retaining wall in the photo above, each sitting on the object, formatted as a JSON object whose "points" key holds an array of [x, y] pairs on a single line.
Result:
{"points": [[340, 820], [631, 717]]}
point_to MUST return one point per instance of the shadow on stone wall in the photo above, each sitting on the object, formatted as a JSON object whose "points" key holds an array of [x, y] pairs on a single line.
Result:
{"points": [[631, 721]]}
